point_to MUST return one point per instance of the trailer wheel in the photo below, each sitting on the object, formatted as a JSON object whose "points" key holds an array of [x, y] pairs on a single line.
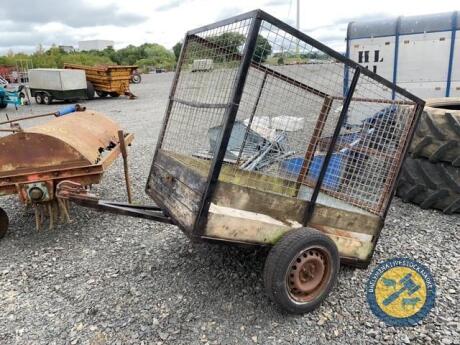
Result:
{"points": [[136, 78], [90, 92], [39, 98], [301, 270], [4, 223], [114, 94], [47, 99], [101, 94]]}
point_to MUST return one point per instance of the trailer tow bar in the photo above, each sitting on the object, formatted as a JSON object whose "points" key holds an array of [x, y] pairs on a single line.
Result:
{"points": [[76, 193]]}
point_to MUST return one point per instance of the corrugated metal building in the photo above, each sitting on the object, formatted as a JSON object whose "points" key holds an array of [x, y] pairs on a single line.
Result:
{"points": [[419, 53]]}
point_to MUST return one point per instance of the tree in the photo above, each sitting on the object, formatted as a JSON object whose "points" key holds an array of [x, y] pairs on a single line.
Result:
{"points": [[148, 54], [176, 49], [231, 44], [263, 49]]}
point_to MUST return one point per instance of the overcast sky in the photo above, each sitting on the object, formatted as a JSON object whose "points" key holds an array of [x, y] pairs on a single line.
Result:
{"points": [[165, 21]]}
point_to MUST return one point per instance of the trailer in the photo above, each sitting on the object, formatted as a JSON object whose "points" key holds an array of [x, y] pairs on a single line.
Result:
{"points": [[106, 81], [278, 157], [48, 84], [420, 53]]}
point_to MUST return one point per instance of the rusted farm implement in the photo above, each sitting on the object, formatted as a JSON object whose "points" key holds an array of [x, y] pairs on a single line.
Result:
{"points": [[106, 81], [301, 157], [77, 146]]}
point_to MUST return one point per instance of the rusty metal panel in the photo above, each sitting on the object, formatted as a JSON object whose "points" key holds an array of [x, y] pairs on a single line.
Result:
{"points": [[98, 130], [78, 147]]}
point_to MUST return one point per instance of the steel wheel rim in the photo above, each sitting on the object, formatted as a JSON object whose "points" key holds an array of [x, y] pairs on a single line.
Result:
{"points": [[308, 274]]}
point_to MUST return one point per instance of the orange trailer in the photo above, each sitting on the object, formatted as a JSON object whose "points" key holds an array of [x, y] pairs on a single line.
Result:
{"points": [[106, 81]]}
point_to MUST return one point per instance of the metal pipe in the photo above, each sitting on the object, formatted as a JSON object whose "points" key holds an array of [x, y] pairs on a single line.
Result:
{"points": [[26, 118], [124, 154], [58, 113], [251, 118], [317, 134], [298, 15], [9, 130]]}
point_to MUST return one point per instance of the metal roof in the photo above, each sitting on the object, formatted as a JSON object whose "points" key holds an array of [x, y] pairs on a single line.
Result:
{"points": [[408, 25]]}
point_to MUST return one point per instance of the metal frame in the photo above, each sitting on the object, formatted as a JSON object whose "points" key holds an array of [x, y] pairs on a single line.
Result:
{"points": [[453, 36], [229, 119], [341, 121], [257, 17], [396, 55]]}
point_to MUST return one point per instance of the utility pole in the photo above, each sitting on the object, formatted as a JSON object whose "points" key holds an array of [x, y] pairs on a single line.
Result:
{"points": [[298, 26], [298, 15]]}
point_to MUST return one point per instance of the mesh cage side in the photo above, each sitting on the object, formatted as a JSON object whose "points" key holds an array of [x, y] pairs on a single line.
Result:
{"points": [[370, 146], [206, 79], [292, 100]]}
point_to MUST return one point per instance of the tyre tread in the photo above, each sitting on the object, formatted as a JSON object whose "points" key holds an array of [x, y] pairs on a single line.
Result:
{"points": [[430, 185], [281, 251], [438, 136]]}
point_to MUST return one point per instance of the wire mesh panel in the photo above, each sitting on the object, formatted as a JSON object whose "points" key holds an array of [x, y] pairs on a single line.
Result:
{"points": [[209, 67], [259, 104]]}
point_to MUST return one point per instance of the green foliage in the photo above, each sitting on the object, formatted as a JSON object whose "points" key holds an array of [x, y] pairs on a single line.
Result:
{"points": [[146, 55], [263, 49], [176, 49], [231, 44]]}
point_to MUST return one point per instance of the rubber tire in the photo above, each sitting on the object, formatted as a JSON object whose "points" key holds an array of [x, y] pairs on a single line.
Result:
{"points": [[3, 104], [47, 99], [39, 98], [4, 223], [438, 136], [22, 97], [114, 94], [90, 92], [136, 78], [101, 94], [279, 260], [430, 185]]}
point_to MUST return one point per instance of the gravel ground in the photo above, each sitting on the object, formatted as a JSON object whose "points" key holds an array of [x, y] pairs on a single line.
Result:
{"points": [[107, 279]]}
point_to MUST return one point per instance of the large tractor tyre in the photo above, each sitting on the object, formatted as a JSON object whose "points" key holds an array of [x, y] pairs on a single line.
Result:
{"points": [[4, 223], [90, 92], [438, 136], [430, 185], [300, 270]]}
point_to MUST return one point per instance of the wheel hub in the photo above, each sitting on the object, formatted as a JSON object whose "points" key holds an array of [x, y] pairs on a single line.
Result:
{"points": [[308, 274]]}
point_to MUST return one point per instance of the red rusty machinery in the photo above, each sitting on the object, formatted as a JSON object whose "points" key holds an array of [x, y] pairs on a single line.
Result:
{"points": [[78, 147]]}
